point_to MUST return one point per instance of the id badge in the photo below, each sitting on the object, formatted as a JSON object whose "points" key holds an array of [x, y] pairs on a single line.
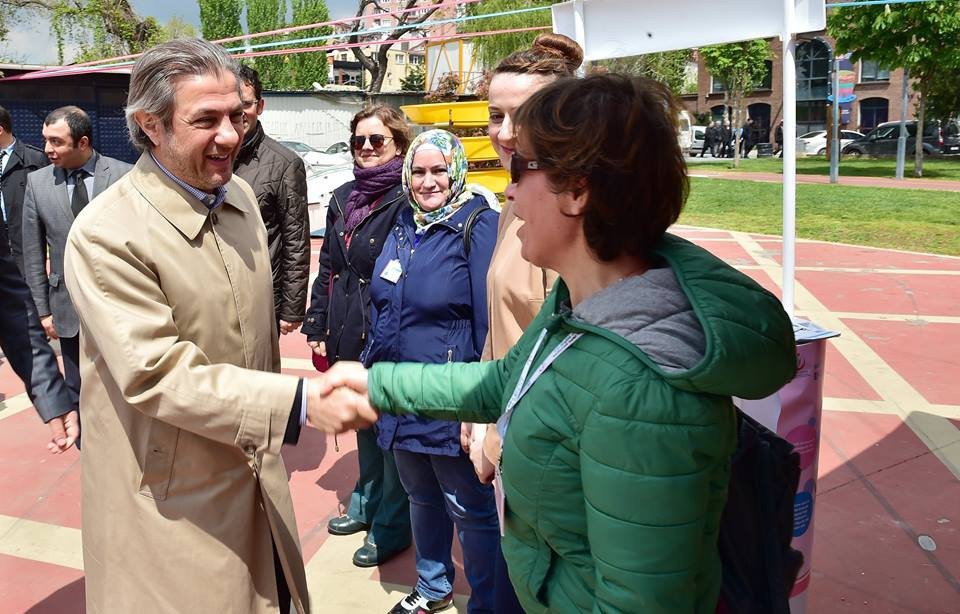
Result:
{"points": [[392, 271]]}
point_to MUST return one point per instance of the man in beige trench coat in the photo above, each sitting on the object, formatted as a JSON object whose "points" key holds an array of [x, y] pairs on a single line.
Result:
{"points": [[185, 500]]}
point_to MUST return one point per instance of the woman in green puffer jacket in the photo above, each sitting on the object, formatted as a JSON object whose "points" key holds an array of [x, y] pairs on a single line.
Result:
{"points": [[615, 405]]}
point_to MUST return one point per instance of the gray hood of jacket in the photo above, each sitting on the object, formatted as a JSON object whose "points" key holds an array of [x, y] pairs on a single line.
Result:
{"points": [[652, 312]]}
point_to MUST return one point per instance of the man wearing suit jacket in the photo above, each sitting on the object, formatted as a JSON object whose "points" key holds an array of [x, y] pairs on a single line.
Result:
{"points": [[17, 159], [54, 196]]}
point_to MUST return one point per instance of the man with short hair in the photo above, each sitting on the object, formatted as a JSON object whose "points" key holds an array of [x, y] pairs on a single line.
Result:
{"points": [[186, 506], [54, 197], [17, 160], [279, 180]]}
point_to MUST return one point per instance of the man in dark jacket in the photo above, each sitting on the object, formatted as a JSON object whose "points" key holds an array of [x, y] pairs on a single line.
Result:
{"points": [[279, 180], [17, 159]]}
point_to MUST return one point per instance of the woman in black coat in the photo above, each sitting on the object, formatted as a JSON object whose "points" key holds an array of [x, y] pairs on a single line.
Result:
{"points": [[360, 216]]}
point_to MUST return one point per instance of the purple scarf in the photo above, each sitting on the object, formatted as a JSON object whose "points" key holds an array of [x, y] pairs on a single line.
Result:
{"points": [[372, 183]]}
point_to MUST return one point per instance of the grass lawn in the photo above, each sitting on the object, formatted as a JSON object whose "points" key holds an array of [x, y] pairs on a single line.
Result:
{"points": [[915, 220], [933, 168]]}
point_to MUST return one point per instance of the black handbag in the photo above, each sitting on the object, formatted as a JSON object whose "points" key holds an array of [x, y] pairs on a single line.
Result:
{"points": [[756, 528]]}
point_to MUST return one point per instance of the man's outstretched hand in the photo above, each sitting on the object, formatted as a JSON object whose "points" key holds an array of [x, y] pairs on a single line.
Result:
{"points": [[353, 375], [336, 409]]}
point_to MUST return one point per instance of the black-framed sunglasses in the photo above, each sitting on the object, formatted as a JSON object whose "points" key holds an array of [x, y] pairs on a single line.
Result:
{"points": [[519, 165], [376, 140]]}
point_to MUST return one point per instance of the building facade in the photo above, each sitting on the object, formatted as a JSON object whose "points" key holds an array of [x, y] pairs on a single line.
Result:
{"points": [[877, 91]]}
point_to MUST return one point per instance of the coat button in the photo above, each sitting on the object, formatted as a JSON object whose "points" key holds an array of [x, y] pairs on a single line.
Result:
{"points": [[373, 241]]}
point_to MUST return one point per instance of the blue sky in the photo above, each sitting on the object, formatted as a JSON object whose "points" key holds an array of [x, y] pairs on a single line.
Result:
{"points": [[33, 43]]}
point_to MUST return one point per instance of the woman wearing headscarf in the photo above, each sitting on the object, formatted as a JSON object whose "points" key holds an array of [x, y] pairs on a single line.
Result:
{"points": [[430, 306], [360, 215]]}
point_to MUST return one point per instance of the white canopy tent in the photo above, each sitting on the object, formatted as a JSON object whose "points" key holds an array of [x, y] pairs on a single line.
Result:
{"points": [[618, 28]]}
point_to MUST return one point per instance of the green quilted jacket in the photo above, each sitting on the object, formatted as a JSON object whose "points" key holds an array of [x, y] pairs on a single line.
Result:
{"points": [[614, 469]]}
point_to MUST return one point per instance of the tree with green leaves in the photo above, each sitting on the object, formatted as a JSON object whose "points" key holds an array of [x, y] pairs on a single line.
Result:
{"points": [[415, 81], [265, 16], [739, 66], [101, 28], [176, 28], [669, 68], [491, 49], [305, 69], [375, 61], [220, 18], [923, 38]]}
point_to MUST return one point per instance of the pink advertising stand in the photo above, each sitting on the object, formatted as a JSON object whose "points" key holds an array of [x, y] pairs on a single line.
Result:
{"points": [[794, 413]]}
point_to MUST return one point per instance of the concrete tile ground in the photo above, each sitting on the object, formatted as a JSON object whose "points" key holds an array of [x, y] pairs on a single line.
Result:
{"points": [[889, 456]]}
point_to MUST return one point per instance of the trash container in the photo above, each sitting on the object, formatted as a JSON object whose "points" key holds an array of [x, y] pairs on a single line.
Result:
{"points": [[764, 150]]}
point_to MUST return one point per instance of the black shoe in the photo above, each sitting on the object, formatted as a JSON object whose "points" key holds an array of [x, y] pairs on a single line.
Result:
{"points": [[415, 603], [345, 525], [368, 555]]}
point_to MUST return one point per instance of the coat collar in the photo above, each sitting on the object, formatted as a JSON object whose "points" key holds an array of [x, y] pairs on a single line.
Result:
{"points": [[175, 204]]}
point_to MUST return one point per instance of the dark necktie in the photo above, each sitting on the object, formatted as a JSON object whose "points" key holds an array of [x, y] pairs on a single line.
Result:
{"points": [[80, 198]]}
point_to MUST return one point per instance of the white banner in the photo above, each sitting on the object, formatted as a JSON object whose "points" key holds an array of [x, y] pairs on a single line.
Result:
{"points": [[620, 28]]}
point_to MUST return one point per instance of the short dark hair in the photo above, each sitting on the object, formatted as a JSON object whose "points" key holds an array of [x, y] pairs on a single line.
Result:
{"points": [[617, 137], [392, 118], [76, 119], [250, 76], [5, 122]]}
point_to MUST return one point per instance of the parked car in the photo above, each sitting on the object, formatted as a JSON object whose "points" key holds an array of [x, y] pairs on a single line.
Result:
{"points": [[320, 186], [314, 158], [338, 148], [882, 140], [815, 143], [698, 133]]}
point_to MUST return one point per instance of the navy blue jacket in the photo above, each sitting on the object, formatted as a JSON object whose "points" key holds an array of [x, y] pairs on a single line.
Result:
{"points": [[436, 312]]}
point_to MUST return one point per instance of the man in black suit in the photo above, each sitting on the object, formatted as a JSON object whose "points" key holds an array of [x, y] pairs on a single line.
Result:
{"points": [[22, 339], [17, 159]]}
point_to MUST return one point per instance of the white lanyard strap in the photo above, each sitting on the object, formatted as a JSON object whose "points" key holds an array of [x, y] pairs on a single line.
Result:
{"points": [[525, 383]]}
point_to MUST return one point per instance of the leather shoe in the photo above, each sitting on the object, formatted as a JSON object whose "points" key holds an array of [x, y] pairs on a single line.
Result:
{"points": [[368, 555], [345, 525]]}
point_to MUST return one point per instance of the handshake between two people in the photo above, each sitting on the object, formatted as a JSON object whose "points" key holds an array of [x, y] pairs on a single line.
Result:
{"points": [[337, 400]]}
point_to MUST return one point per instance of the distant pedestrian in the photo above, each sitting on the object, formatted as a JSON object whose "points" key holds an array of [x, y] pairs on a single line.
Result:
{"points": [[746, 138], [778, 136], [710, 139], [726, 140]]}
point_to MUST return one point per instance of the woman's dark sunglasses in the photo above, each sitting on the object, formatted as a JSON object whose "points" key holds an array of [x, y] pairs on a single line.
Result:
{"points": [[519, 165], [376, 141]]}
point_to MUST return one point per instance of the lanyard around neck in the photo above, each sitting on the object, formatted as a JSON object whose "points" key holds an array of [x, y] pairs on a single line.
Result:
{"points": [[527, 379]]}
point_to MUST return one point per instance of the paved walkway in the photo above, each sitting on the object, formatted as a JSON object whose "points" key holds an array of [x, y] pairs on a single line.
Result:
{"points": [[942, 185], [887, 522]]}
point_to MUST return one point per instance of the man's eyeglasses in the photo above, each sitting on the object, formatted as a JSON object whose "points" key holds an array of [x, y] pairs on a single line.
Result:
{"points": [[376, 140], [519, 165], [249, 104]]}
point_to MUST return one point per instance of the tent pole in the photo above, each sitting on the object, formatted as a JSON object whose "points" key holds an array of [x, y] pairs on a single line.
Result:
{"points": [[789, 156]]}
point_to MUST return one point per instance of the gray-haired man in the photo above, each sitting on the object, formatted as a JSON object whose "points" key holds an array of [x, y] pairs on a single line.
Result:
{"points": [[186, 506]]}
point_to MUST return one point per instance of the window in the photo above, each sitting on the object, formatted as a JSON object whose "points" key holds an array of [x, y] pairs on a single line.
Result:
{"points": [[717, 86], [399, 58], [871, 71], [811, 115], [813, 72], [873, 112]]}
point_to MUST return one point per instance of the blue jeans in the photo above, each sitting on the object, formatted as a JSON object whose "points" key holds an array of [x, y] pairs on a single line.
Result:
{"points": [[445, 490]]}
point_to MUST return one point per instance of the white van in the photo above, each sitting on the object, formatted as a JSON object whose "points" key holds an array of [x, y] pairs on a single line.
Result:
{"points": [[684, 131]]}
